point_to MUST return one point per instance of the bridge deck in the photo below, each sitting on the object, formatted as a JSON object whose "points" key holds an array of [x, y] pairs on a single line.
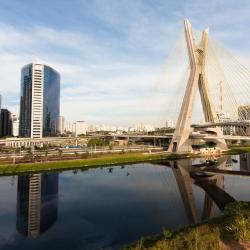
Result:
{"points": [[222, 124]]}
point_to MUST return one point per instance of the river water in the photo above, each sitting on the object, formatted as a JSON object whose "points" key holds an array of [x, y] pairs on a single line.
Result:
{"points": [[105, 208]]}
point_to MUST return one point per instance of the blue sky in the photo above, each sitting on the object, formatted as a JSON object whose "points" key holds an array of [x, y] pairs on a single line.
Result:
{"points": [[110, 53]]}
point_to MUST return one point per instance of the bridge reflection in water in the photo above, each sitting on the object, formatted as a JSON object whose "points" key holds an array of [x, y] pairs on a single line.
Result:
{"points": [[37, 196], [213, 185], [37, 202]]}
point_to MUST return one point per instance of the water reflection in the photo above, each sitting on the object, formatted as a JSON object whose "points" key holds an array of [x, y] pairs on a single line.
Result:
{"points": [[184, 182], [38, 195], [245, 162], [105, 208], [37, 202], [213, 185]]}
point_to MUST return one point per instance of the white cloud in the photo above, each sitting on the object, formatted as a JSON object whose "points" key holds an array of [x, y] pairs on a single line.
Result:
{"points": [[107, 89], [115, 74]]}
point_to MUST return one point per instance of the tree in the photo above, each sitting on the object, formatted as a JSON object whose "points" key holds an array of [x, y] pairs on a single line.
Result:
{"points": [[97, 142], [60, 153], [46, 155], [76, 154]]}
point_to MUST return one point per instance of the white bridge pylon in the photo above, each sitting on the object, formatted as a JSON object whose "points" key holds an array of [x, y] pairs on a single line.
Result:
{"points": [[197, 80]]}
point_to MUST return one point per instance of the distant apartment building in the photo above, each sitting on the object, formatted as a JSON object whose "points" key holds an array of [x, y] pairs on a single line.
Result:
{"points": [[5, 123], [15, 125], [39, 101], [80, 128], [92, 128], [120, 129], [140, 127], [61, 125], [131, 129], [106, 128], [68, 127]]}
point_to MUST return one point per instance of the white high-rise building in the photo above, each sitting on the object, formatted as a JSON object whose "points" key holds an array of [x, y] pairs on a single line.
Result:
{"points": [[80, 128], [60, 125], [140, 127], [68, 127], [15, 125]]}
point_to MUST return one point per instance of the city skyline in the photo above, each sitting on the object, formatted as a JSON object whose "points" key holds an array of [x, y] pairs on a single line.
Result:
{"points": [[109, 57]]}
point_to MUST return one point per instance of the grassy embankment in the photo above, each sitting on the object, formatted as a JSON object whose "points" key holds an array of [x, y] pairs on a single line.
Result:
{"points": [[229, 231], [238, 150], [101, 160]]}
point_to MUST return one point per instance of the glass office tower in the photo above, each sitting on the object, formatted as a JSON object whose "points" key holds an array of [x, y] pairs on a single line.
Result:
{"points": [[39, 101], [37, 203]]}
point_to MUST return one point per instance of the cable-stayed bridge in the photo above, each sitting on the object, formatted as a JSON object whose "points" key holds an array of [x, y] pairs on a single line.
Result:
{"points": [[223, 85]]}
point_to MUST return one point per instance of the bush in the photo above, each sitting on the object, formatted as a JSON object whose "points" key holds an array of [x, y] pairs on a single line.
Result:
{"points": [[85, 155], [232, 227], [239, 228], [97, 142]]}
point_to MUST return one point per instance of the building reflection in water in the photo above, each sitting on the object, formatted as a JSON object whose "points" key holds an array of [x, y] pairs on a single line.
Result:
{"points": [[37, 203], [245, 162]]}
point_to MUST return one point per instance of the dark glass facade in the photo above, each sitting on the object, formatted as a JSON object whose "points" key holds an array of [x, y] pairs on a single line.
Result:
{"points": [[25, 101], [51, 101], [37, 203], [5, 123]]}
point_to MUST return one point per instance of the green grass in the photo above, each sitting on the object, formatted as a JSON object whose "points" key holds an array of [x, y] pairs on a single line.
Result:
{"points": [[102, 160], [238, 150], [232, 229]]}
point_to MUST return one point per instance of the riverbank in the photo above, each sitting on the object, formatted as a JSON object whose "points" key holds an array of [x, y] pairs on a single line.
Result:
{"points": [[97, 161], [228, 232], [238, 150], [102, 160]]}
